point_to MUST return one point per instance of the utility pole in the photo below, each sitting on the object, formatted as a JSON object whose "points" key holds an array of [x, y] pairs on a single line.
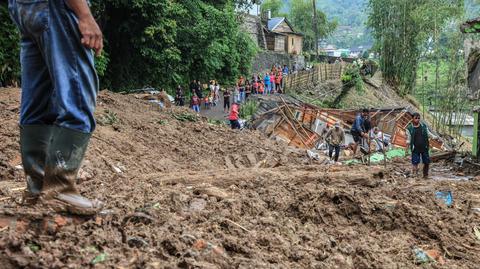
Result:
{"points": [[315, 26]]}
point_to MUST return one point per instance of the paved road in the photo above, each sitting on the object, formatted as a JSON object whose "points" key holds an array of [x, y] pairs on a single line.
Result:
{"points": [[215, 112]]}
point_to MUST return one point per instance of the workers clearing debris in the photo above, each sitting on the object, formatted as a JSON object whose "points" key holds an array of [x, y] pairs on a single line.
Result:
{"points": [[335, 138], [418, 136], [359, 131], [59, 90]]}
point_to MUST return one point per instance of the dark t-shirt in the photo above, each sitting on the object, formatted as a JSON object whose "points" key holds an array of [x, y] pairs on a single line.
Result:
{"points": [[419, 143], [226, 96]]}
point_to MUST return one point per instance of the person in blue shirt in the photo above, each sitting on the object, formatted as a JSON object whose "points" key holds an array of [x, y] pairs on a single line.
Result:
{"points": [[285, 70], [267, 83], [358, 130]]}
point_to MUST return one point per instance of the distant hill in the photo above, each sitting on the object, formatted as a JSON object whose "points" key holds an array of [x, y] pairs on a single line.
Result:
{"points": [[351, 16]]}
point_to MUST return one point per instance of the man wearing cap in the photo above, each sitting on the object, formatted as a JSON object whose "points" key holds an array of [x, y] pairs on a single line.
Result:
{"points": [[335, 138]]}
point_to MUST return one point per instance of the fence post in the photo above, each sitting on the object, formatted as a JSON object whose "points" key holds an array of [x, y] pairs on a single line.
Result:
{"points": [[291, 79], [318, 74], [326, 74]]}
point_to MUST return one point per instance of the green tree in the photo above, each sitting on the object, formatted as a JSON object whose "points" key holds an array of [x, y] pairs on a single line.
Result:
{"points": [[165, 43], [301, 16], [275, 6], [157, 43], [9, 49], [400, 28]]}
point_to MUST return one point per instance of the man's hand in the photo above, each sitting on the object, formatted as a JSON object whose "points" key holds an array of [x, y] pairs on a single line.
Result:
{"points": [[92, 36]]}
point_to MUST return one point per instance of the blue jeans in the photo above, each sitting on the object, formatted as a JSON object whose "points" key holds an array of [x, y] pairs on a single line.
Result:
{"points": [[59, 81], [242, 97], [424, 157], [196, 108], [267, 88], [331, 149]]}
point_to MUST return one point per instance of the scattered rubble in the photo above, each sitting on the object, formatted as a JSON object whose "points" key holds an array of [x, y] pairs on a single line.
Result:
{"points": [[257, 203], [301, 125]]}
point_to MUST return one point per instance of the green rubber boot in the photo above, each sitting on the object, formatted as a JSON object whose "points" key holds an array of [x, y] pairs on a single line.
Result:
{"points": [[34, 142], [64, 157], [426, 168]]}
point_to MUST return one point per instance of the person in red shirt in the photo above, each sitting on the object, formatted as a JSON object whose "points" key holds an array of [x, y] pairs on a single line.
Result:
{"points": [[234, 116], [255, 86], [248, 89], [272, 82], [196, 103], [207, 102], [278, 82], [261, 87]]}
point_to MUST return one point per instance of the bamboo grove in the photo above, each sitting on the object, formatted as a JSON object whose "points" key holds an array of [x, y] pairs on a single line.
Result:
{"points": [[420, 54]]}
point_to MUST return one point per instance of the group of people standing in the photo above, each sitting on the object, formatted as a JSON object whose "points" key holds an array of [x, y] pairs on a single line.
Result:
{"points": [[210, 96], [270, 83], [198, 96]]}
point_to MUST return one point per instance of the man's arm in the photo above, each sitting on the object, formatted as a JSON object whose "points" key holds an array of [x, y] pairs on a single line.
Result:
{"points": [[91, 34], [329, 133]]}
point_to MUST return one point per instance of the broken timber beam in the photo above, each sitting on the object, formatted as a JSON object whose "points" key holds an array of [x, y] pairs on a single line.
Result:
{"points": [[442, 156]]}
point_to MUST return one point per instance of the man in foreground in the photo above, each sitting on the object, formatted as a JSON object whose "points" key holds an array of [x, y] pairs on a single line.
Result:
{"points": [[59, 90], [418, 142]]}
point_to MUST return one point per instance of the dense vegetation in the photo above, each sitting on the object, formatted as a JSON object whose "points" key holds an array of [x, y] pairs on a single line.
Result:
{"points": [[9, 50], [402, 29], [350, 16], [157, 43], [421, 53]]}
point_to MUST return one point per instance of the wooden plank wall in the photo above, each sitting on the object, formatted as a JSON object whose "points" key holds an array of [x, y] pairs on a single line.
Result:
{"points": [[321, 72]]}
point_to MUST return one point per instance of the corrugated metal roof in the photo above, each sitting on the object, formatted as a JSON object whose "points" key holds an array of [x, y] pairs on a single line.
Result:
{"points": [[274, 22]]}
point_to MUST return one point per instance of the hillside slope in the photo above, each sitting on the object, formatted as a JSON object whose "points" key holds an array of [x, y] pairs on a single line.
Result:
{"points": [[375, 94]]}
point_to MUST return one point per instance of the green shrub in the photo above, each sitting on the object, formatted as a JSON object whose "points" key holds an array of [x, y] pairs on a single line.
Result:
{"points": [[352, 78], [9, 49], [248, 109]]}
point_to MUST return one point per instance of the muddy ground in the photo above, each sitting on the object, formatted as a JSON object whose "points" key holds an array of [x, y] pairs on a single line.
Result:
{"points": [[184, 193]]}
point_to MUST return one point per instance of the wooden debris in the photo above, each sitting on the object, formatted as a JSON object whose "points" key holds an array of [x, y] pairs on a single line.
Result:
{"points": [[212, 191], [442, 156], [238, 225]]}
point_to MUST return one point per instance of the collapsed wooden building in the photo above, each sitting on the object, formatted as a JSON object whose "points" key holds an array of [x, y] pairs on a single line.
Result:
{"points": [[301, 125]]}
